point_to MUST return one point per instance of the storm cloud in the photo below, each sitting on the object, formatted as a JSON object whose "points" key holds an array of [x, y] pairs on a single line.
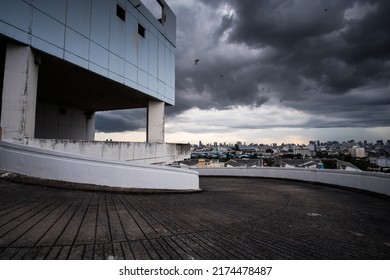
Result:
{"points": [[120, 120], [322, 58]]}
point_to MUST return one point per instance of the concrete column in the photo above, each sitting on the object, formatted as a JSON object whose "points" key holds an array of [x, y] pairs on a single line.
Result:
{"points": [[90, 126], [19, 92], [155, 122]]}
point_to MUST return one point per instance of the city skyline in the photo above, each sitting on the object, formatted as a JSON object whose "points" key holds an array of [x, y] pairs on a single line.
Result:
{"points": [[288, 71], [140, 136], [318, 143]]}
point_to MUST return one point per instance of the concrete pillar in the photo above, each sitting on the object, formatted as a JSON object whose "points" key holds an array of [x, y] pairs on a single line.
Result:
{"points": [[19, 92], [90, 129], [155, 122]]}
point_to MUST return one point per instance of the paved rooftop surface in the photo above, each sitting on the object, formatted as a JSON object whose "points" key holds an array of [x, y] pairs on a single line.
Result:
{"points": [[233, 218]]}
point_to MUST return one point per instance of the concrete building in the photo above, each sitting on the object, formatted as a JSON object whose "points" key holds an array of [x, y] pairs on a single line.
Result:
{"points": [[304, 151], [61, 61], [358, 152], [380, 161]]}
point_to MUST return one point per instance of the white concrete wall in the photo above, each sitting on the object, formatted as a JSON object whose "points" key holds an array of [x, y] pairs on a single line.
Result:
{"points": [[59, 122], [89, 34], [369, 181], [138, 152], [60, 166]]}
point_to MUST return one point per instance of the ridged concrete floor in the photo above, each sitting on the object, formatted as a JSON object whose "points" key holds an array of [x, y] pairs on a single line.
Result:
{"points": [[233, 218]]}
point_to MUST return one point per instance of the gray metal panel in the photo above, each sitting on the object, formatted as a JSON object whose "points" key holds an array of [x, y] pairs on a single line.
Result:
{"points": [[116, 77], [131, 48], [78, 16], [153, 54], [172, 93], [98, 55], [130, 6], [130, 83], [100, 22], [167, 91], [154, 30], [142, 88], [167, 66], [14, 33], [171, 69], [47, 47], [97, 69], [122, 2], [144, 22], [161, 61], [117, 35], [77, 44], [56, 9], [116, 64], [143, 52], [141, 17], [160, 88], [76, 60], [152, 84], [142, 78], [48, 29], [169, 30], [16, 14], [133, 2], [131, 72]]}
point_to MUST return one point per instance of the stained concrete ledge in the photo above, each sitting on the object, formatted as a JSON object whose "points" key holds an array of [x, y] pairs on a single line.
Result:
{"points": [[67, 167], [366, 181], [135, 152]]}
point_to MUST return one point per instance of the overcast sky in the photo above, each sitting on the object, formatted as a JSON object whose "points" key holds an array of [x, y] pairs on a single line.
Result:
{"points": [[274, 71]]}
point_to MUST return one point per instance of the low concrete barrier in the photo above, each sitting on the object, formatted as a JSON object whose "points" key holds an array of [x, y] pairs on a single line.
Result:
{"points": [[138, 152], [68, 167], [369, 181]]}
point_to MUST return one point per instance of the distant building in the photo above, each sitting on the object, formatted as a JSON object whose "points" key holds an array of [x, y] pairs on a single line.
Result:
{"points": [[203, 163], [305, 151], [381, 161], [358, 152], [313, 147]]}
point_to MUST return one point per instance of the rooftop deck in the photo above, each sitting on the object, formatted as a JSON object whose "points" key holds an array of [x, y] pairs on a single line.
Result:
{"points": [[233, 218]]}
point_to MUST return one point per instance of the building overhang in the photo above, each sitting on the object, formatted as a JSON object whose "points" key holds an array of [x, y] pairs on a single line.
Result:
{"points": [[63, 83]]}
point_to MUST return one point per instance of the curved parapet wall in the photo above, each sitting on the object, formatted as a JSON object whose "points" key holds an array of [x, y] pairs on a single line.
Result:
{"points": [[135, 152], [373, 182], [66, 167]]}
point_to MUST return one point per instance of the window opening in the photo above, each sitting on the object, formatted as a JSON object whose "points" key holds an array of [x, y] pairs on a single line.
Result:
{"points": [[121, 13], [141, 30]]}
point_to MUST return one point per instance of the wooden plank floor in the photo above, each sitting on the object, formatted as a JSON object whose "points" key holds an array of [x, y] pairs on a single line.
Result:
{"points": [[233, 218]]}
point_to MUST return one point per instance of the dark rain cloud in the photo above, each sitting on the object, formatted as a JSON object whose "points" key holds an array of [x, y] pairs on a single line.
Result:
{"points": [[321, 57], [317, 48], [121, 120]]}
